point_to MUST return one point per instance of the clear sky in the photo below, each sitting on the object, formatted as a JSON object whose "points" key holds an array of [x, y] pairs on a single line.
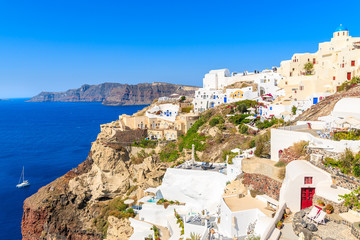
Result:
{"points": [[57, 45]]}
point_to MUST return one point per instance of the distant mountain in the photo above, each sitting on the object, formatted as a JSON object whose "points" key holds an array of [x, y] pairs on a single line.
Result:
{"points": [[116, 93]]}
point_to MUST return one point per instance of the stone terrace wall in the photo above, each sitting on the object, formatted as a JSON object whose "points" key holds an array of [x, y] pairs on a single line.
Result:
{"points": [[339, 179], [262, 183], [126, 138], [338, 207]]}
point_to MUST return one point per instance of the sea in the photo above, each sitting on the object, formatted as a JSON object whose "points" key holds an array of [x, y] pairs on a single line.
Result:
{"points": [[48, 139]]}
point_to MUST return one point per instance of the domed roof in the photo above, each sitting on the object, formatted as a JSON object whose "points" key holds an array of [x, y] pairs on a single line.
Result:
{"points": [[341, 28], [347, 107]]}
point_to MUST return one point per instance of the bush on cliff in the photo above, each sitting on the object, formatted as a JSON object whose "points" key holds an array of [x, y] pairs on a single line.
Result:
{"points": [[145, 143], [216, 120], [116, 208], [262, 143], [169, 153], [193, 137]]}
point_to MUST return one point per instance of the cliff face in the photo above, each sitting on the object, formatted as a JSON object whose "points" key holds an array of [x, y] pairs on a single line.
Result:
{"points": [[325, 106], [67, 207], [116, 93]]}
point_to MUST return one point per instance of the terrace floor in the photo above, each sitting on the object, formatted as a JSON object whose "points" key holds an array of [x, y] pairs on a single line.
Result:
{"points": [[245, 203], [197, 166]]}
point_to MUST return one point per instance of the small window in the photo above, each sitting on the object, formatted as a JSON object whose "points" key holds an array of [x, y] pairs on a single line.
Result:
{"points": [[308, 180], [353, 63], [334, 78]]}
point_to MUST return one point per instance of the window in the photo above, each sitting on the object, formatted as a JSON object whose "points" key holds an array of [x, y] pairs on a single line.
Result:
{"points": [[334, 78], [308, 180], [314, 61], [353, 63]]}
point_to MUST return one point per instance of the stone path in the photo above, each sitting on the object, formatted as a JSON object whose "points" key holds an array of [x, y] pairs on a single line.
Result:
{"points": [[335, 231], [287, 232]]}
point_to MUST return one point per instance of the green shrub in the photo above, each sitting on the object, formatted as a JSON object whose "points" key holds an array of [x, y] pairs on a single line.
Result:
{"points": [[242, 107], [243, 129], [169, 153], [230, 154], [117, 208], [145, 143], [262, 143], [252, 143], [193, 137], [239, 119], [332, 162], [349, 84], [280, 164], [186, 109], [216, 120], [356, 170]]}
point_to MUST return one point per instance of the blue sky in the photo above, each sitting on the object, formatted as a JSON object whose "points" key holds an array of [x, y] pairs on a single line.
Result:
{"points": [[57, 45]]}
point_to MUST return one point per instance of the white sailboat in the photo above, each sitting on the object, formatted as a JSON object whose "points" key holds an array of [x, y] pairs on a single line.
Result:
{"points": [[22, 181]]}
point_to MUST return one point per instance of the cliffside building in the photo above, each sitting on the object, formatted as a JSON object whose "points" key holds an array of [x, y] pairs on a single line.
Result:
{"points": [[335, 62], [219, 86], [163, 121]]}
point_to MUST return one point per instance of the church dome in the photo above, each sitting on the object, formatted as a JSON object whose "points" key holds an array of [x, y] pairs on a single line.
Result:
{"points": [[341, 28]]}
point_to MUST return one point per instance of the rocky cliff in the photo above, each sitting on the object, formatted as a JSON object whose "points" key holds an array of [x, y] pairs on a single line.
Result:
{"points": [[325, 106], [75, 206], [116, 93]]}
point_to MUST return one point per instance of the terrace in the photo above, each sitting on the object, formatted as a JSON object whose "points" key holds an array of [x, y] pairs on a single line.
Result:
{"points": [[203, 166], [236, 204]]}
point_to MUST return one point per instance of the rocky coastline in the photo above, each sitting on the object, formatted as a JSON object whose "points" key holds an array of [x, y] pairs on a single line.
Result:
{"points": [[116, 93]]}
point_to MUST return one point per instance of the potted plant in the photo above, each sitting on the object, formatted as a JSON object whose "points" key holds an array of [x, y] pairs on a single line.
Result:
{"points": [[329, 208], [321, 203], [279, 224]]}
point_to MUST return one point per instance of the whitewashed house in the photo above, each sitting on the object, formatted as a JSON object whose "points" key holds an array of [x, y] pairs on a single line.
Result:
{"points": [[302, 181]]}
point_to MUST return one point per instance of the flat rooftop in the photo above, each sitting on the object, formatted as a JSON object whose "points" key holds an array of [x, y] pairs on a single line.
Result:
{"points": [[245, 203]]}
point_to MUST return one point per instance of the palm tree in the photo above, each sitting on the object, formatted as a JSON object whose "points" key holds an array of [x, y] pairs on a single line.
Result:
{"points": [[195, 236]]}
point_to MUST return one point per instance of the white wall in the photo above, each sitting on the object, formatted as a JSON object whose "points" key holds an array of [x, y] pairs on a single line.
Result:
{"points": [[242, 221], [141, 229], [197, 188], [192, 228]]}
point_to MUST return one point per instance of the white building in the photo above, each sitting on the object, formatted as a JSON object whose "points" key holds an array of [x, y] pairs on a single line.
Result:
{"points": [[164, 111], [217, 90], [302, 181]]}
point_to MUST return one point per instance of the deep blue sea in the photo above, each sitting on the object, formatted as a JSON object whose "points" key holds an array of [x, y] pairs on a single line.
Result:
{"points": [[48, 139]]}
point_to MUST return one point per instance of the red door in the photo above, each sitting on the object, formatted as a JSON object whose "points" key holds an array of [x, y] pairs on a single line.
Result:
{"points": [[307, 197], [349, 76]]}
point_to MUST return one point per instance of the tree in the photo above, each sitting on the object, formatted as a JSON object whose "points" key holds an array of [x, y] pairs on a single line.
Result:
{"points": [[182, 98], [293, 110], [309, 67]]}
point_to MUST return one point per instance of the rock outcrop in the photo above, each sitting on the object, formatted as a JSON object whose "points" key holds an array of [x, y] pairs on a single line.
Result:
{"points": [[116, 93], [325, 106], [67, 207]]}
